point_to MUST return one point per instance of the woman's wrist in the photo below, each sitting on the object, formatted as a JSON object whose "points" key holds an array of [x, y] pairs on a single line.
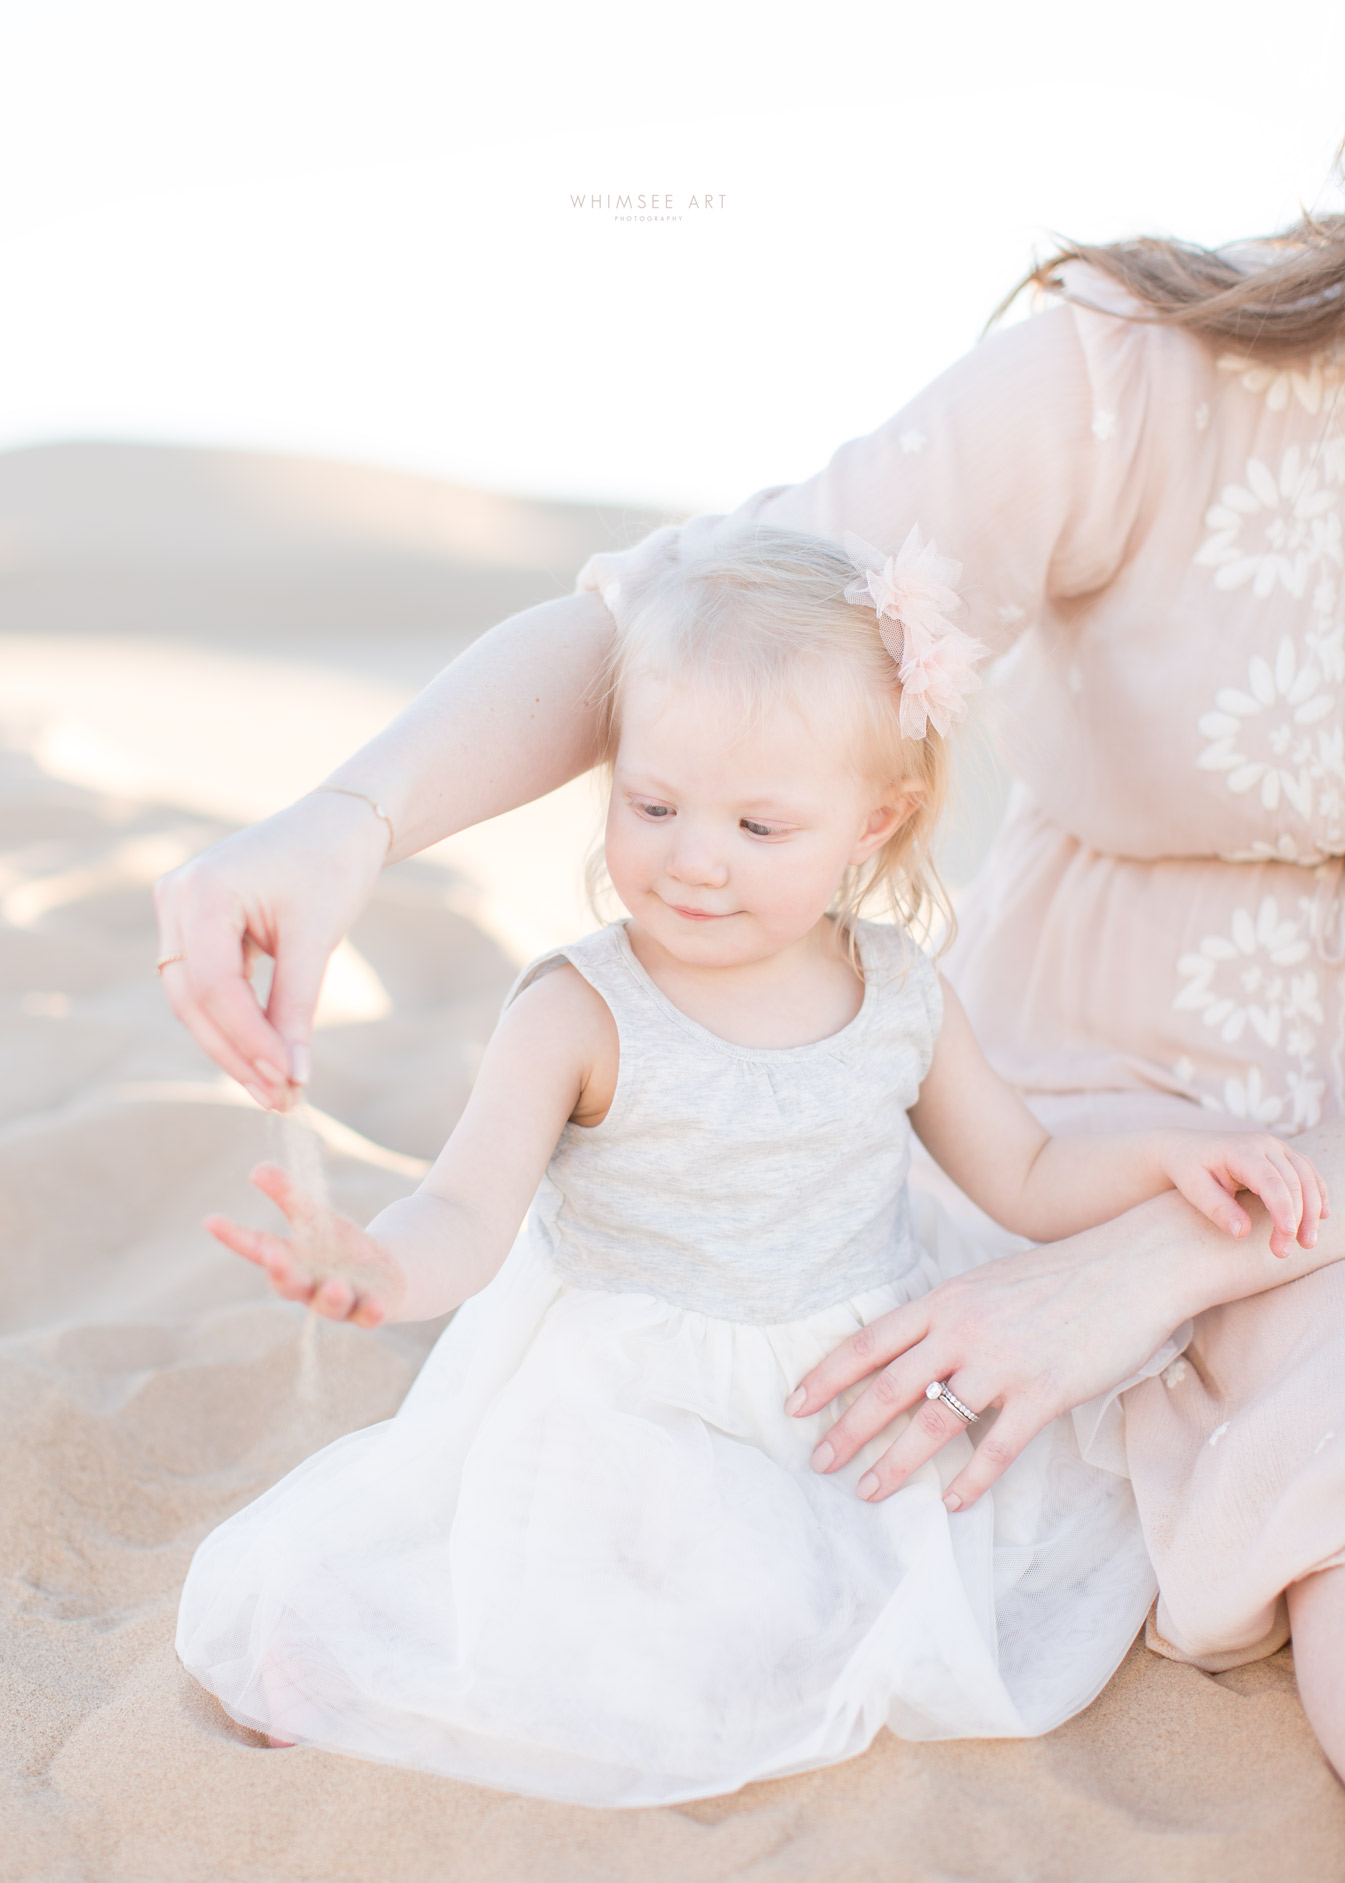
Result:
{"points": [[348, 821], [379, 811], [1190, 1264]]}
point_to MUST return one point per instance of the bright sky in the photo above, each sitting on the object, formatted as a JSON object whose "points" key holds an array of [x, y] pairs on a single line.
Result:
{"points": [[346, 228]]}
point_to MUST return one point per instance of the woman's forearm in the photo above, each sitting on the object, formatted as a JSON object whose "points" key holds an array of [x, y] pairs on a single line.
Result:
{"points": [[513, 717], [1191, 1264]]}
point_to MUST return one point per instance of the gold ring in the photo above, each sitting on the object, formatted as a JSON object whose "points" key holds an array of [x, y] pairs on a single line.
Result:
{"points": [[167, 962]]}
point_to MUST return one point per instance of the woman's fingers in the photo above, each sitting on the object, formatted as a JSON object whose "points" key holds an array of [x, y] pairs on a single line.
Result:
{"points": [[929, 1430], [209, 989], [893, 1391], [1015, 1428], [869, 1347], [295, 987], [290, 887], [1023, 1415], [175, 979]]}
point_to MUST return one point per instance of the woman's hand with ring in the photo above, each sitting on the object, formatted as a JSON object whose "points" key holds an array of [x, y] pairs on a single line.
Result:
{"points": [[290, 888], [1032, 1334]]}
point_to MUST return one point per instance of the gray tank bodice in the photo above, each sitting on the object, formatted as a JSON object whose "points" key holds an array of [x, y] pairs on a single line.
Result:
{"points": [[750, 1183]]}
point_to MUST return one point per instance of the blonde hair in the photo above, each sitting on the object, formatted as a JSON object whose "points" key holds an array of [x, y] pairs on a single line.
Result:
{"points": [[762, 616], [1280, 297]]}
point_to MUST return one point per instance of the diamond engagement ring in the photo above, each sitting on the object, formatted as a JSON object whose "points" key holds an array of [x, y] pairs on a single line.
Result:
{"points": [[939, 1389]]}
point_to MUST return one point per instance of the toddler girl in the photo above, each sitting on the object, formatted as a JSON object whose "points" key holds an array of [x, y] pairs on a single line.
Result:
{"points": [[590, 1557]]}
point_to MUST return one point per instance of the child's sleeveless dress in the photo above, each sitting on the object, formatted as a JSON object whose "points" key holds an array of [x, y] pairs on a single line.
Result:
{"points": [[589, 1559]]}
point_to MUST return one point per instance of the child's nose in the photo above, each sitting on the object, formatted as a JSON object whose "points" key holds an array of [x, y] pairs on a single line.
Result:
{"points": [[692, 862]]}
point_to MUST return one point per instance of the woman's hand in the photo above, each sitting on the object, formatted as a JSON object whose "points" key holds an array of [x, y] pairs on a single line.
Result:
{"points": [[513, 717], [1034, 1334], [290, 888], [328, 1261], [1210, 1168], [1039, 1333]]}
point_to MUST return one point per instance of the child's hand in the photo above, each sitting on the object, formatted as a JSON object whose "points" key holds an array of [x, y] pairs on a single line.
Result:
{"points": [[1209, 1169], [329, 1261]]}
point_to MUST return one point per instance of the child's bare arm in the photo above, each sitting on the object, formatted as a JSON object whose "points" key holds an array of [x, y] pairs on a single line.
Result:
{"points": [[552, 1057], [983, 1135]]}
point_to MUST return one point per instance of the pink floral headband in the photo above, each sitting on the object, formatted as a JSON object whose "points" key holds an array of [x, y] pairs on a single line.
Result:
{"points": [[935, 660]]}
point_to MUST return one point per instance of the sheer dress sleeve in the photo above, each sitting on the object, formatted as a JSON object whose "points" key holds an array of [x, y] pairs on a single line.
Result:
{"points": [[1017, 461]]}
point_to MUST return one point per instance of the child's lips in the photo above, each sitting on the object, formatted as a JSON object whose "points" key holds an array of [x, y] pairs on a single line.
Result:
{"points": [[699, 915]]}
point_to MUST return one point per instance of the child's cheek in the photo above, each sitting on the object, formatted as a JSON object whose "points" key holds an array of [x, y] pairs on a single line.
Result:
{"points": [[633, 850], [783, 887]]}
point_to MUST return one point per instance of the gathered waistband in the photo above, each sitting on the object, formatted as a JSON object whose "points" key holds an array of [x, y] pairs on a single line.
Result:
{"points": [[902, 1276]]}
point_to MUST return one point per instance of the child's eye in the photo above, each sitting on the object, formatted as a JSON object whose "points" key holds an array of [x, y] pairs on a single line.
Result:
{"points": [[755, 829], [652, 810]]}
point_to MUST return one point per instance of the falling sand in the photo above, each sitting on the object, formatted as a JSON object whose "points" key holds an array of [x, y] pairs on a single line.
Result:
{"points": [[297, 1149]]}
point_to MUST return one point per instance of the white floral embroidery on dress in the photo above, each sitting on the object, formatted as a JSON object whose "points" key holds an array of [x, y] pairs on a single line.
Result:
{"points": [[1277, 713], [1300, 527], [1241, 983], [1104, 425], [1284, 530], [913, 440], [1305, 380]]}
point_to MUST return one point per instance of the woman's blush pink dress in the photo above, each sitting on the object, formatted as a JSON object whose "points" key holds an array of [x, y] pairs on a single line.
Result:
{"points": [[1152, 544]]}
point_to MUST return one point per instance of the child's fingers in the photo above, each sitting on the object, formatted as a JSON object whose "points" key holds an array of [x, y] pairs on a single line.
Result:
{"points": [[339, 1301], [334, 1298], [1314, 1200], [1270, 1176], [254, 1245], [270, 1252], [296, 1204], [1210, 1197]]}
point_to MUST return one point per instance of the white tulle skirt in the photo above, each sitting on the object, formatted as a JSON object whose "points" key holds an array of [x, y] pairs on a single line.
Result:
{"points": [[589, 1560]]}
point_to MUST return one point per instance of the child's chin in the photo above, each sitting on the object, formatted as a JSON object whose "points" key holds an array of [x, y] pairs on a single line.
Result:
{"points": [[728, 942]]}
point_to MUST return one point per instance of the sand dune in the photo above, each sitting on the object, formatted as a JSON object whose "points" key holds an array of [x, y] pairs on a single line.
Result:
{"points": [[150, 1384], [347, 564]]}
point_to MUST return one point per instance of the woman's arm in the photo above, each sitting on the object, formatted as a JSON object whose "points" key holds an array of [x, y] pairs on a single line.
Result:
{"points": [[997, 460], [552, 1057], [510, 719], [979, 1130]]}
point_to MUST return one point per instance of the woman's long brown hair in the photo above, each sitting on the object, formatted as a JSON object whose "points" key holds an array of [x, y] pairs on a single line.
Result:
{"points": [[1279, 297]]}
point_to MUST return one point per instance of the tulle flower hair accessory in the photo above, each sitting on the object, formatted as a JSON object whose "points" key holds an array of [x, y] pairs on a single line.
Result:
{"points": [[914, 596]]}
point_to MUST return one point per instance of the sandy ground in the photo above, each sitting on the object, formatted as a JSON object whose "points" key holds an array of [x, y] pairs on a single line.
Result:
{"points": [[150, 1385]]}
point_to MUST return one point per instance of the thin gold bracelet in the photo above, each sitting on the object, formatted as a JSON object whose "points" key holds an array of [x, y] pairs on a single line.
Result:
{"points": [[376, 808]]}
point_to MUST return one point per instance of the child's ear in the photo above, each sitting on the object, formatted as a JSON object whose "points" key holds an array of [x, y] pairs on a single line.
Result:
{"points": [[899, 805]]}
